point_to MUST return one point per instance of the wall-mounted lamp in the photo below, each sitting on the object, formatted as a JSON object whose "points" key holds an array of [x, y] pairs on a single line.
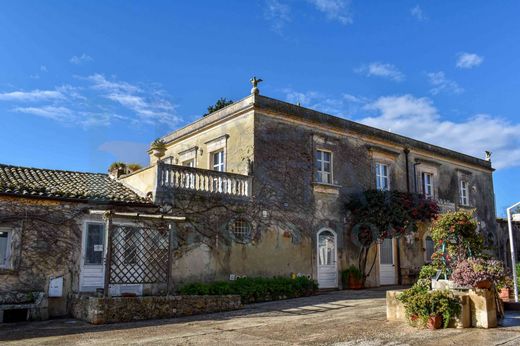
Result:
{"points": [[201, 151]]}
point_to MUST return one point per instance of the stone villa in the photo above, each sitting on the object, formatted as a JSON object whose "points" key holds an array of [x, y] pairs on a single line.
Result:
{"points": [[262, 185]]}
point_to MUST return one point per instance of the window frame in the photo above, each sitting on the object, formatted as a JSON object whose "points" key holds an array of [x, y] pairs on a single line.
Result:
{"points": [[85, 244], [245, 238], [431, 184], [221, 164], [426, 258], [380, 177], [8, 251], [320, 167], [464, 193]]}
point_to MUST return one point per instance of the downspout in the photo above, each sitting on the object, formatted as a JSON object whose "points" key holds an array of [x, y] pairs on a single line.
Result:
{"points": [[399, 274]]}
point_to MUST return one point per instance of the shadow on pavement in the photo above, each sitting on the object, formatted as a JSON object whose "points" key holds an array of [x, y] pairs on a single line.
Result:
{"points": [[323, 302]]}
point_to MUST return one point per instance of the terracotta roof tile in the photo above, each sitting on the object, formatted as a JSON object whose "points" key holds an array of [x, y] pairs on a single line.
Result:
{"points": [[82, 186]]}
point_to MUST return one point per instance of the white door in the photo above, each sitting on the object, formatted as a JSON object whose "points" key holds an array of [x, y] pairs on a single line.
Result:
{"points": [[92, 257], [387, 274], [327, 254]]}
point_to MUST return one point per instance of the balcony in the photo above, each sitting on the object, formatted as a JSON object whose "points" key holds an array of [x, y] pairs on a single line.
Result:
{"points": [[171, 178]]}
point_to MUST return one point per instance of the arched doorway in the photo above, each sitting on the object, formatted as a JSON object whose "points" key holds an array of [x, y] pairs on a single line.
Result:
{"points": [[327, 258]]}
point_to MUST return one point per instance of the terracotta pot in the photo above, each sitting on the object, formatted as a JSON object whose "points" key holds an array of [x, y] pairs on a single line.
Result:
{"points": [[484, 284], [434, 322], [504, 293], [354, 283]]}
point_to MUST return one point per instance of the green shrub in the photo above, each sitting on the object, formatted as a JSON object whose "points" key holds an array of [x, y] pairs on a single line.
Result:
{"points": [[255, 289]]}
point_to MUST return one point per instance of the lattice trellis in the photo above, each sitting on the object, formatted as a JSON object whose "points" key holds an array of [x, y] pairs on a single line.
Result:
{"points": [[139, 255]]}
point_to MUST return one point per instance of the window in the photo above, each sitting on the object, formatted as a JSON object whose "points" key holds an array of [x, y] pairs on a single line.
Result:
{"points": [[326, 248], [241, 230], [217, 161], [427, 180], [323, 167], [464, 192], [189, 163], [382, 178], [428, 248], [94, 244], [5, 248]]}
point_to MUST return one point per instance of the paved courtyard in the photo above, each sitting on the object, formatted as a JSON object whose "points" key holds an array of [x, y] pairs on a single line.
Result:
{"points": [[336, 318]]}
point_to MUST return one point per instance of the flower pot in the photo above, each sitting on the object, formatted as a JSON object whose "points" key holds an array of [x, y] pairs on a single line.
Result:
{"points": [[434, 322], [504, 293], [354, 283], [484, 284]]}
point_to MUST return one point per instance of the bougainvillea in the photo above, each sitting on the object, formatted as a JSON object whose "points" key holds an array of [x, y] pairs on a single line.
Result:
{"points": [[377, 215], [471, 271]]}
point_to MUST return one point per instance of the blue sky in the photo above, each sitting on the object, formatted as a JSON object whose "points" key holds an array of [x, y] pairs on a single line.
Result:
{"points": [[85, 83]]}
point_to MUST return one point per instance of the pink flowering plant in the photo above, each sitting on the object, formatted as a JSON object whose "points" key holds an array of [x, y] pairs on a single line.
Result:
{"points": [[469, 272]]}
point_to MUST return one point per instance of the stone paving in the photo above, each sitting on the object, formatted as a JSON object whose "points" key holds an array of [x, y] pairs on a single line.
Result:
{"points": [[334, 318]]}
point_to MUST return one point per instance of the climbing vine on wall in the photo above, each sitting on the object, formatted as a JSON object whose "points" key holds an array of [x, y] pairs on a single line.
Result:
{"points": [[376, 215]]}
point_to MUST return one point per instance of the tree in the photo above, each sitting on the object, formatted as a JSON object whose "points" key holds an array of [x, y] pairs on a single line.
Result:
{"points": [[377, 215], [221, 103]]}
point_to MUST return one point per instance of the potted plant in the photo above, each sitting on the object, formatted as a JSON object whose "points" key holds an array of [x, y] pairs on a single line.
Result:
{"points": [[352, 278], [158, 148], [479, 273], [433, 309]]}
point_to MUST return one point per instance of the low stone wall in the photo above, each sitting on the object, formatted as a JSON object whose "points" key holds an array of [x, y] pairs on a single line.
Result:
{"points": [[125, 309], [478, 309]]}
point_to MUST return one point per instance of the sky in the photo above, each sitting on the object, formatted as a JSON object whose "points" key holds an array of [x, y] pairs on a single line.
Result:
{"points": [[86, 83]]}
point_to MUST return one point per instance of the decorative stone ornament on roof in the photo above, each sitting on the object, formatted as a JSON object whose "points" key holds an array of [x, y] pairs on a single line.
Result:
{"points": [[70, 185]]}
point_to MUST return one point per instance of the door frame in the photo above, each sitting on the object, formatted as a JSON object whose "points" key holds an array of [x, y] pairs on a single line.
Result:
{"points": [[335, 253], [83, 252], [394, 260]]}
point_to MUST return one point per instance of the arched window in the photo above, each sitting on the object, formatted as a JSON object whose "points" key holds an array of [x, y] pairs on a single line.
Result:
{"points": [[241, 230], [429, 248]]}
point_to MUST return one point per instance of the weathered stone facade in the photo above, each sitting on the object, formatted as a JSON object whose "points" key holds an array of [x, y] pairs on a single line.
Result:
{"points": [[274, 143]]}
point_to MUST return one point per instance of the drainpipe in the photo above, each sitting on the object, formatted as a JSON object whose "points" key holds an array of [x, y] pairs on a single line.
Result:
{"points": [[406, 152], [399, 275]]}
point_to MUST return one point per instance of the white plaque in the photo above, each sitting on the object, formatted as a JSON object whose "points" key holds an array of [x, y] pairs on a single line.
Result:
{"points": [[98, 247], [56, 287]]}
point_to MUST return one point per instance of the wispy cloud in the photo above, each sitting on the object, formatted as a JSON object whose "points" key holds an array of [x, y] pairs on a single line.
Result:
{"points": [[419, 118], [31, 96], [469, 60], [418, 13], [337, 10], [440, 84], [278, 14], [83, 58], [149, 104], [378, 69], [96, 101]]}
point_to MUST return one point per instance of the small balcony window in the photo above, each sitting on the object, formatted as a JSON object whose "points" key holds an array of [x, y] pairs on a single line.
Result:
{"points": [[323, 166], [382, 177], [427, 182], [464, 200]]}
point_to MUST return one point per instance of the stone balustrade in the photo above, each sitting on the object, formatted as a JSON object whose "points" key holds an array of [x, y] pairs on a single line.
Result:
{"points": [[174, 177]]}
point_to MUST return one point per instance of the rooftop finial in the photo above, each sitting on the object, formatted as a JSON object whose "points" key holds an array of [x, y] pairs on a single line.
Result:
{"points": [[488, 155], [254, 81]]}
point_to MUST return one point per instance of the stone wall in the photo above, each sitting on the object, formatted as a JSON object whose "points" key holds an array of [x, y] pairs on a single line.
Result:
{"points": [[126, 309]]}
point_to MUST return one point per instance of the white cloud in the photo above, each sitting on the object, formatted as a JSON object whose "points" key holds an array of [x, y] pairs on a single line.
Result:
{"points": [[378, 69], [419, 118], [440, 83], [469, 60], [49, 112], [278, 14], [337, 10], [43, 68], [83, 58], [31, 96], [418, 13]]}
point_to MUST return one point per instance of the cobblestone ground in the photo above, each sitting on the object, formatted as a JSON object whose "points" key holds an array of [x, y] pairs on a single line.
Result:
{"points": [[335, 318]]}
